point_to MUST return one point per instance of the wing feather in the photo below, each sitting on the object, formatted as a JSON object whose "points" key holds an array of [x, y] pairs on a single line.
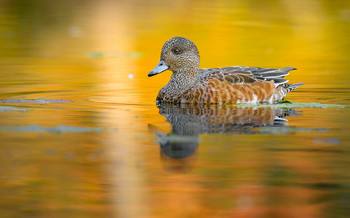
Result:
{"points": [[240, 74]]}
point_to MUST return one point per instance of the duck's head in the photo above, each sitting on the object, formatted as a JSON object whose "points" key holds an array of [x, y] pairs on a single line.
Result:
{"points": [[178, 55]]}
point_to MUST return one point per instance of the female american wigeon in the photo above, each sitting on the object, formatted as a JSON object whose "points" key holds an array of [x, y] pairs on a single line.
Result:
{"points": [[227, 85]]}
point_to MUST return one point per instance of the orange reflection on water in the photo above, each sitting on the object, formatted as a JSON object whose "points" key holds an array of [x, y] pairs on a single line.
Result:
{"points": [[97, 54]]}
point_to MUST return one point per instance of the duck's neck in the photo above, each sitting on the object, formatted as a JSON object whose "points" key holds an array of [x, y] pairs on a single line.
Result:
{"points": [[183, 78]]}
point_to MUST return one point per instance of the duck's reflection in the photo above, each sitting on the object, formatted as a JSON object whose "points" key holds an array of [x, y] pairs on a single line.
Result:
{"points": [[178, 149]]}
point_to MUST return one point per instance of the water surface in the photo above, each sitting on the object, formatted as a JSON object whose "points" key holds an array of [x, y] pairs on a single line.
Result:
{"points": [[82, 136]]}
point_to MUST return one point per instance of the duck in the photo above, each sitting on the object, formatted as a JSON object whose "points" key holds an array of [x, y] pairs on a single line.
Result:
{"points": [[227, 85]]}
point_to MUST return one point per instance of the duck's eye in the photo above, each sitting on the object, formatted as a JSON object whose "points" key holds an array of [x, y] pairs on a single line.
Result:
{"points": [[176, 51]]}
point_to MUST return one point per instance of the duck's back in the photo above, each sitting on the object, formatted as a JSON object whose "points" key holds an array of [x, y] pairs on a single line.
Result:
{"points": [[232, 85]]}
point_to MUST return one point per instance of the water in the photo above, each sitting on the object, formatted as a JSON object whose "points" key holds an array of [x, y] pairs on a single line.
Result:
{"points": [[96, 144]]}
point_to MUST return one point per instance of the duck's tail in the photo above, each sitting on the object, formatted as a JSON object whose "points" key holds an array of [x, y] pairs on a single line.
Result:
{"points": [[290, 87], [285, 88]]}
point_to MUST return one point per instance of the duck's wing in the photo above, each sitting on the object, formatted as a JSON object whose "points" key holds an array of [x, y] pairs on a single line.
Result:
{"points": [[240, 74], [233, 75]]}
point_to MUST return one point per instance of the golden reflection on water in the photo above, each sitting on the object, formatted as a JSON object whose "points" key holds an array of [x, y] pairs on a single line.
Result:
{"points": [[97, 54]]}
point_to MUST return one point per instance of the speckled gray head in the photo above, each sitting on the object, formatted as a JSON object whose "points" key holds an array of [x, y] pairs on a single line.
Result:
{"points": [[178, 55]]}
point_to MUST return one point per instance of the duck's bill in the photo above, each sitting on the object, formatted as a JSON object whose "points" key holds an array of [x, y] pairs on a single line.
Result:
{"points": [[161, 67]]}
